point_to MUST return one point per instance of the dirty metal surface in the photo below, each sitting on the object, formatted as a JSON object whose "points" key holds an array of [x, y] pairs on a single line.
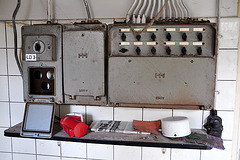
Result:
{"points": [[47, 54], [161, 80], [208, 39], [115, 138], [84, 64]]}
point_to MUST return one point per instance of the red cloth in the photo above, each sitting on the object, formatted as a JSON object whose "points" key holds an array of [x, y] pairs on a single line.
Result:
{"points": [[147, 126]]}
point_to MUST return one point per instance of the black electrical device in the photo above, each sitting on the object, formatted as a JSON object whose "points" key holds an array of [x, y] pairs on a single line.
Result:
{"points": [[214, 124]]}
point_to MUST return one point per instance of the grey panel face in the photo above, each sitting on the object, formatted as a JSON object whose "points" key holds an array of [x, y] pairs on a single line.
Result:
{"points": [[198, 40], [38, 120], [147, 79], [42, 54], [84, 64]]}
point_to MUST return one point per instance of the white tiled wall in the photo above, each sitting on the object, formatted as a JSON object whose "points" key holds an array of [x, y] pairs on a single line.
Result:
{"points": [[12, 108]]}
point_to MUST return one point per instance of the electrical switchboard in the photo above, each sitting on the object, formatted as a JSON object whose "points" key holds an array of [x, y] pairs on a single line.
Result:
{"points": [[164, 65], [84, 64], [42, 63]]}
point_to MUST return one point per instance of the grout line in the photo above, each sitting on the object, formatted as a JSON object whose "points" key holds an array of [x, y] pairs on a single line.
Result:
{"points": [[228, 49], [113, 152], [170, 153], [226, 81], [36, 148], [141, 153]]}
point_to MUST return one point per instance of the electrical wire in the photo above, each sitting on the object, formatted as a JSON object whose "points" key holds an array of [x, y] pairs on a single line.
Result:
{"points": [[143, 7], [175, 9], [184, 5], [159, 5], [153, 9], [49, 11], [179, 9], [87, 9], [169, 10], [15, 36], [148, 8], [164, 12], [136, 10], [184, 10], [130, 11]]}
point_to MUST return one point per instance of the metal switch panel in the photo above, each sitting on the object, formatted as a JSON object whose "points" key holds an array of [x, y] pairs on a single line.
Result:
{"points": [[42, 63], [84, 64], [166, 66]]}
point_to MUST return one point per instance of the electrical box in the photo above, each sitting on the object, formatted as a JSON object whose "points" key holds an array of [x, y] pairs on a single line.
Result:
{"points": [[84, 64], [164, 66], [42, 63]]}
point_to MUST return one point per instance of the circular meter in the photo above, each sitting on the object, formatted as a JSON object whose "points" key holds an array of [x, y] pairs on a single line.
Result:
{"points": [[38, 47]]}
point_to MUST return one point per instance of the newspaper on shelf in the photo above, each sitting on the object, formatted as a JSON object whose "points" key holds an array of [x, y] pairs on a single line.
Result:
{"points": [[114, 126]]}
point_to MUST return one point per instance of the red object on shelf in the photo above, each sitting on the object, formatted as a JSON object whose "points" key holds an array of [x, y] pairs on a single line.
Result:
{"points": [[73, 126]]}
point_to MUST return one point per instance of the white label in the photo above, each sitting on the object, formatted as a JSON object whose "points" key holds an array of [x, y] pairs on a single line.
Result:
{"points": [[198, 29], [183, 43], [30, 57], [171, 29], [184, 29], [125, 43], [151, 30], [138, 43], [125, 30], [151, 43], [197, 43], [170, 43]]}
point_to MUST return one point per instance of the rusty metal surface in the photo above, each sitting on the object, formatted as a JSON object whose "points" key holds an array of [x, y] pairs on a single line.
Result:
{"points": [[168, 81], [84, 64], [208, 38], [50, 57]]}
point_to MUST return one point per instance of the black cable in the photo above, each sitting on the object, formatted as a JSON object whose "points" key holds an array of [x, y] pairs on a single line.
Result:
{"points": [[87, 9], [15, 36]]}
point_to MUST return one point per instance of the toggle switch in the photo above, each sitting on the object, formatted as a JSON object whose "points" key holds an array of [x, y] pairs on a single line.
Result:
{"points": [[138, 37], [199, 50], [199, 36], [168, 50], [153, 50], [184, 50], [169, 37], [153, 36], [184, 36], [123, 50], [123, 37], [138, 51]]}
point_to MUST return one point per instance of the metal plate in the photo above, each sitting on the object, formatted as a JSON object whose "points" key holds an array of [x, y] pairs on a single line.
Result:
{"points": [[161, 31], [49, 37], [84, 64], [38, 120], [165, 80]]}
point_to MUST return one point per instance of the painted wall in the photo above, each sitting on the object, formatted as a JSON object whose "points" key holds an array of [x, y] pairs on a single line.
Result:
{"points": [[11, 92]]}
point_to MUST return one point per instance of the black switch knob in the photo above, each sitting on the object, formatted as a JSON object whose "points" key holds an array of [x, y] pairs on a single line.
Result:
{"points": [[199, 36], [123, 37], [37, 47], [138, 37], [168, 50], [138, 51], [153, 36], [153, 50], [123, 50], [184, 50], [169, 37], [199, 50], [184, 36]]}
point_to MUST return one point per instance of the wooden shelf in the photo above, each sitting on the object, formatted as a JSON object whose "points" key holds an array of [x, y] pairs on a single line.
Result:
{"points": [[115, 138]]}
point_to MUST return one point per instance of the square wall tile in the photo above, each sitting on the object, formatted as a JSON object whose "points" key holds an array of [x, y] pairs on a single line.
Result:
{"points": [[229, 29], [3, 61], [4, 114], [12, 65], [5, 145], [217, 153], [225, 95], [17, 113], [127, 114], [152, 153], [73, 149], [66, 109], [127, 152], [99, 151], [16, 88], [194, 116], [24, 157], [227, 122], [24, 145], [2, 35], [188, 154], [229, 8], [150, 114], [47, 158], [98, 113], [6, 156], [4, 88], [10, 36], [65, 158], [227, 65], [48, 147]]}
